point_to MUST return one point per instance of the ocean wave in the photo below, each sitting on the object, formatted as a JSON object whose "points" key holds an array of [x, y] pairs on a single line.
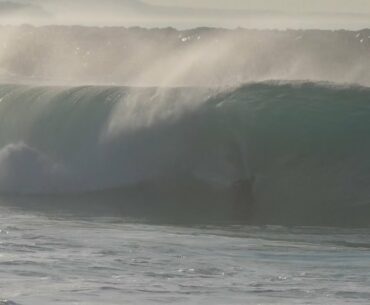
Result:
{"points": [[307, 144]]}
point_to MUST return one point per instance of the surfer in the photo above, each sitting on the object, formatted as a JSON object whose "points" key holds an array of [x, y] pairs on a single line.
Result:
{"points": [[243, 187], [244, 197]]}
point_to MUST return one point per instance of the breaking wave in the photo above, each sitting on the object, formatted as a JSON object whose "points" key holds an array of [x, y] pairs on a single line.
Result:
{"points": [[307, 144]]}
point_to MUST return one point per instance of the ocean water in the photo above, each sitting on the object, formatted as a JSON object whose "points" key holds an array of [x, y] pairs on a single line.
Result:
{"points": [[126, 195], [60, 258], [178, 152]]}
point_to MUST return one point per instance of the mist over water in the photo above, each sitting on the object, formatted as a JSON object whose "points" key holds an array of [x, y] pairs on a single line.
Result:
{"points": [[168, 57]]}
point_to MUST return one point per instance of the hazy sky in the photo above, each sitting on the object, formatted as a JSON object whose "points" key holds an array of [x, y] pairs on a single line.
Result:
{"points": [[343, 6], [280, 14]]}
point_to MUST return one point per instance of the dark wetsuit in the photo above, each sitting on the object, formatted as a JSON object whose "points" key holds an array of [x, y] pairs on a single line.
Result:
{"points": [[244, 198]]}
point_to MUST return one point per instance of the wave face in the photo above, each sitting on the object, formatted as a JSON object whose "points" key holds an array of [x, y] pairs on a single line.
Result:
{"points": [[307, 144]]}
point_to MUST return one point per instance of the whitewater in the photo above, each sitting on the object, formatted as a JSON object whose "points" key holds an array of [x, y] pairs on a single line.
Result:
{"points": [[57, 257], [121, 152]]}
